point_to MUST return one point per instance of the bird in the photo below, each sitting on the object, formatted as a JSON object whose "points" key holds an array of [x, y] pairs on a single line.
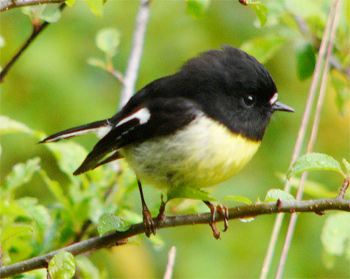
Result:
{"points": [[190, 130]]}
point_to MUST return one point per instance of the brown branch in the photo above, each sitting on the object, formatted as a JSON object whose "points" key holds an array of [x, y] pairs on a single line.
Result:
{"points": [[119, 238], [36, 31], [6, 5]]}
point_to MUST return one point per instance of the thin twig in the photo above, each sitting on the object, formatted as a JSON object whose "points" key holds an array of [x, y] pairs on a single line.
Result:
{"points": [[36, 32], [119, 238], [136, 52], [334, 15], [343, 188], [298, 144], [6, 5], [171, 263]]}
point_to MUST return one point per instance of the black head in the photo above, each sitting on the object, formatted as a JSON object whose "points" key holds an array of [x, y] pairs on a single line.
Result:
{"points": [[233, 88]]}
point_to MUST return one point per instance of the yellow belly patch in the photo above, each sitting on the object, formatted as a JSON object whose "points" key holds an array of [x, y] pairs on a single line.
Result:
{"points": [[203, 154]]}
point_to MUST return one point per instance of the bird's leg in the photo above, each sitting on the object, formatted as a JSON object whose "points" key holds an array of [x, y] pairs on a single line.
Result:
{"points": [[223, 211], [147, 216]]}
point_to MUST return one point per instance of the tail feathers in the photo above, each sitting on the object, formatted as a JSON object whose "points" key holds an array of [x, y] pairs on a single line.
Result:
{"points": [[100, 127], [93, 161]]}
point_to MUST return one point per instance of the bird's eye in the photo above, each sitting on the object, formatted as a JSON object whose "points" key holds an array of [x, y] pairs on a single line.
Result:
{"points": [[249, 101]]}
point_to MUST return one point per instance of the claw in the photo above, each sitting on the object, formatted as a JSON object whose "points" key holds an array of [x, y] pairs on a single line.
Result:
{"points": [[223, 211]]}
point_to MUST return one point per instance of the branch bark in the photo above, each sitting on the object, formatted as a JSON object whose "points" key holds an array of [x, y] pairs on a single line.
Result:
{"points": [[120, 238], [6, 5]]}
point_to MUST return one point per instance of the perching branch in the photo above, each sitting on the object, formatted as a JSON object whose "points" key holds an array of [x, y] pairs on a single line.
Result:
{"points": [[6, 5], [119, 238], [36, 31]]}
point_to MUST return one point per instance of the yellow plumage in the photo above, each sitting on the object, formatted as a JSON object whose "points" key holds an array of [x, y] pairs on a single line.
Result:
{"points": [[202, 154]]}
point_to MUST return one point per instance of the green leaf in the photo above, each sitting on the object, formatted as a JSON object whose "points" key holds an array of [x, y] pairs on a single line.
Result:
{"points": [[62, 266], [51, 16], [347, 166], [261, 12], [14, 230], [189, 193], [8, 125], [37, 212], [10, 207], [278, 194], [336, 234], [197, 8], [306, 59], [70, 3], [22, 173], [107, 40], [109, 222], [95, 6], [239, 199], [314, 161], [263, 49]]}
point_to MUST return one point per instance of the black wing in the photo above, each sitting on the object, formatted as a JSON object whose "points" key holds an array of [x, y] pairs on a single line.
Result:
{"points": [[159, 117]]}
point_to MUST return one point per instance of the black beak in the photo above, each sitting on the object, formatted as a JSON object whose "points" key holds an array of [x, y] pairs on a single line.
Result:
{"points": [[281, 107]]}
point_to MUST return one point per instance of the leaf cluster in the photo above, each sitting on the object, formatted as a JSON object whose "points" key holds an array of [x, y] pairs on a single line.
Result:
{"points": [[28, 228]]}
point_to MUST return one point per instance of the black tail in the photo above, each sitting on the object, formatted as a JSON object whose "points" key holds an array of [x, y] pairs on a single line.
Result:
{"points": [[100, 127]]}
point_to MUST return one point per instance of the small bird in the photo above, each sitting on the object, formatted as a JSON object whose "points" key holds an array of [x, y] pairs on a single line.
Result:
{"points": [[190, 130]]}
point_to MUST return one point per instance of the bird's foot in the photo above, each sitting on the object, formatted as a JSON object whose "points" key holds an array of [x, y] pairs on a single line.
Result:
{"points": [[221, 209], [148, 222]]}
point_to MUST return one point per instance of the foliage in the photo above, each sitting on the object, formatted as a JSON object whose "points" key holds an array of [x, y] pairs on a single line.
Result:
{"points": [[104, 197], [316, 161], [29, 228], [62, 266]]}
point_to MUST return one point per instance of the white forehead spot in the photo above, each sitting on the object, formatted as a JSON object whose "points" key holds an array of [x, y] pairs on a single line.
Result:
{"points": [[143, 115], [274, 98]]}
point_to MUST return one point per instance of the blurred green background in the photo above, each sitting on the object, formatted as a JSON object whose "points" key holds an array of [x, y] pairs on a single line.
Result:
{"points": [[52, 88]]}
